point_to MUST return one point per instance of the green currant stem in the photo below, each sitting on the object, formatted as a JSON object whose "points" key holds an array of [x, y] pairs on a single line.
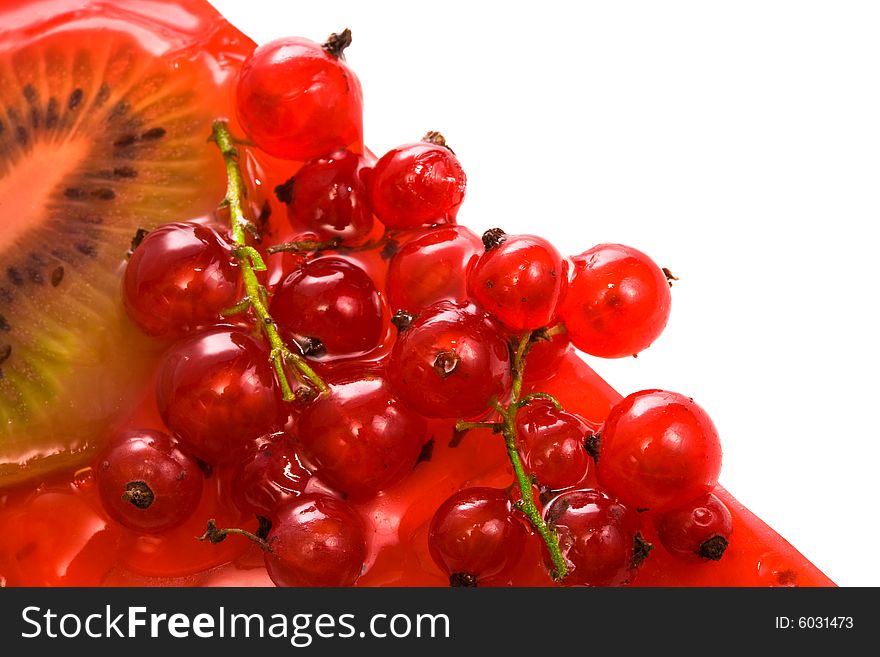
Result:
{"points": [[251, 262], [304, 245], [461, 425], [540, 395], [526, 503]]}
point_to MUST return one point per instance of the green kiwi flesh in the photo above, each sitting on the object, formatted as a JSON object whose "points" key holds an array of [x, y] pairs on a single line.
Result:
{"points": [[104, 118]]}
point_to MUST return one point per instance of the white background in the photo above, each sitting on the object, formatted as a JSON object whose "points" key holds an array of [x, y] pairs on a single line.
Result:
{"points": [[737, 143]]}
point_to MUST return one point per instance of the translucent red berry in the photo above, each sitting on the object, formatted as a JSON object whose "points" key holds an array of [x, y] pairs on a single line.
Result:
{"points": [[474, 535], [519, 280], [178, 279], [316, 540], [598, 536], [431, 267], [552, 444], [417, 185], [147, 483], [298, 100], [327, 198], [659, 450], [269, 474], [330, 307], [697, 530], [451, 362], [544, 357], [360, 437], [217, 392], [618, 301]]}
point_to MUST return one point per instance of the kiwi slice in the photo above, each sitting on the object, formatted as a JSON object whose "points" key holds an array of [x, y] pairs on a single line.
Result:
{"points": [[105, 110]]}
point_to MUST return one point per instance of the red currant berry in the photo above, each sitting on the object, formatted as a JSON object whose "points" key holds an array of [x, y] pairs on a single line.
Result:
{"points": [[552, 443], [617, 303], [698, 530], [316, 540], [329, 307], [179, 278], [297, 100], [269, 474], [360, 438], [598, 537], [431, 268], [474, 536], [417, 185], [451, 362], [327, 198], [217, 392], [518, 280], [146, 483], [545, 356], [658, 450]]}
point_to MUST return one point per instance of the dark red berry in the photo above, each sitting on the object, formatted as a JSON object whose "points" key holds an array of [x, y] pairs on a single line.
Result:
{"points": [[697, 530], [327, 198], [474, 535], [316, 540], [269, 474], [217, 392], [552, 443], [451, 362], [598, 537], [360, 437], [180, 278], [431, 267], [329, 307], [146, 483]]}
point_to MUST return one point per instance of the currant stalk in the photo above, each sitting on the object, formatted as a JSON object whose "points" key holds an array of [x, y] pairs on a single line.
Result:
{"points": [[507, 428], [250, 261]]}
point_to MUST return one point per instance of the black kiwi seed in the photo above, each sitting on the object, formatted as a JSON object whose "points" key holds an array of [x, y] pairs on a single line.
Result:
{"points": [[103, 194], [125, 140], [52, 113], [75, 193], [14, 276], [75, 98], [153, 134]]}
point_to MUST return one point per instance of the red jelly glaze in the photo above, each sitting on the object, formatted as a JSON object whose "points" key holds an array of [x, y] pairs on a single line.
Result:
{"points": [[73, 542]]}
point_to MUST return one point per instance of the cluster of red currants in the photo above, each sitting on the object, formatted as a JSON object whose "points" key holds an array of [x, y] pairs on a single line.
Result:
{"points": [[440, 325]]}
